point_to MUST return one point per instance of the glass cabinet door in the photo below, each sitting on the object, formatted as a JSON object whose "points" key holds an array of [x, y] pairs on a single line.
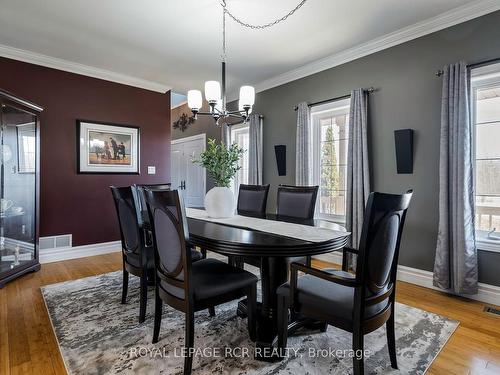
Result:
{"points": [[18, 163]]}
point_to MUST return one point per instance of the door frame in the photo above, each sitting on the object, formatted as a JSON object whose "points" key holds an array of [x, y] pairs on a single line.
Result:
{"points": [[197, 137]]}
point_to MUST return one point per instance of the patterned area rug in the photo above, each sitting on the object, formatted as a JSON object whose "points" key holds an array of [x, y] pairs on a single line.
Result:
{"points": [[98, 335]]}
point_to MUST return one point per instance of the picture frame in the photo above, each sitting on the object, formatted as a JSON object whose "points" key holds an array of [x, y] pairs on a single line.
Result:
{"points": [[107, 148]]}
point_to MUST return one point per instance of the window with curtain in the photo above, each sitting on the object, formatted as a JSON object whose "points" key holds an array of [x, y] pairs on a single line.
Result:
{"points": [[485, 96], [239, 134], [330, 125]]}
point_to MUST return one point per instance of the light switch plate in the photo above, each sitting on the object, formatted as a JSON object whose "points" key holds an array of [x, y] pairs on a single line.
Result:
{"points": [[151, 169]]}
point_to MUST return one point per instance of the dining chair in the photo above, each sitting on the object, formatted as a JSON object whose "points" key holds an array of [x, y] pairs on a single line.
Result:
{"points": [[252, 201], [140, 199], [297, 202], [186, 286], [138, 258], [358, 303]]}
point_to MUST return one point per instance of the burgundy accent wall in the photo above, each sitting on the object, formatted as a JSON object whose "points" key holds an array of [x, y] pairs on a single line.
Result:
{"points": [[82, 204]]}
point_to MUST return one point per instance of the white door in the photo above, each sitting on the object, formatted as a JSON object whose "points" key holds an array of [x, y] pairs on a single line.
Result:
{"points": [[187, 177]]}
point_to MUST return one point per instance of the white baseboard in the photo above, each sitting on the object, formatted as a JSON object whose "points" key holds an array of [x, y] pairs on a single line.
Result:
{"points": [[487, 293], [65, 253]]}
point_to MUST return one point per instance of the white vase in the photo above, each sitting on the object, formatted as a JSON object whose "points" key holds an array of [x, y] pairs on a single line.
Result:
{"points": [[219, 202]]}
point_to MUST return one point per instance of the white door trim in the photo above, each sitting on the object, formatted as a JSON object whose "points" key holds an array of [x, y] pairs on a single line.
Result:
{"points": [[197, 137], [202, 136]]}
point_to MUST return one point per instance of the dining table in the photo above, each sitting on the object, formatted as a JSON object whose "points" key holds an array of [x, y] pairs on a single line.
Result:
{"points": [[229, 238]]}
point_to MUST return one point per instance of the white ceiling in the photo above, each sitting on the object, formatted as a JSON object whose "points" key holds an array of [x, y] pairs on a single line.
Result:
{"points": [[177, 43]]}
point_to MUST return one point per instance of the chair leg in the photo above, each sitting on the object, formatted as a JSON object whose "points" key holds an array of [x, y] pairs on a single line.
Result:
{"points": [[324, 327], [125, 286], [211, 311], [357, 346], [189, 343], [391, 341], [252, 311], [282, 323], [203, 253], [158, 314], [143, 298], [308, 261]]}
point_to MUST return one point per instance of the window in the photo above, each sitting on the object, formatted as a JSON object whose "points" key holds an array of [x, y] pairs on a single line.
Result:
{"points": [[239, 134], [330, 131], [485, 96], [26, 144]]}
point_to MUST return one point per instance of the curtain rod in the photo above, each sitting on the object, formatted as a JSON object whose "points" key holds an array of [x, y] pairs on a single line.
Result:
{"points": [[368, 90], [440, 72]]}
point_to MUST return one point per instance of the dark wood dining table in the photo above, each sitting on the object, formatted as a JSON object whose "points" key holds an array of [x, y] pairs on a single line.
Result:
{"points": [[272, 249]]}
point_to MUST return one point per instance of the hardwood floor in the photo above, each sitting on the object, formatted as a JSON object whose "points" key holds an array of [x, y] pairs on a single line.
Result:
{"points": [[28, 345]]}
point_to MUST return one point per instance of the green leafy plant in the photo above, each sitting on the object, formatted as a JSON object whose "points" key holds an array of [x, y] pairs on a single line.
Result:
{"points": [[221, 162]]}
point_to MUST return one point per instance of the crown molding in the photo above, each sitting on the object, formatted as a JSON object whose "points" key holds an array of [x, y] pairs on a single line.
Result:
{"points": [[73, 67], [453, 17]]}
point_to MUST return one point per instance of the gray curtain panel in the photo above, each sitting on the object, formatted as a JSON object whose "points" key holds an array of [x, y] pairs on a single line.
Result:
{"points": [[358, 171], [255, 150], [455, 266], [303, 161]]}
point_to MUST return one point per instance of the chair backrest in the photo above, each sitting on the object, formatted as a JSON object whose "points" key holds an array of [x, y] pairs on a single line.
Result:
{"points": [[140, 199], [377, 260], [252, 199], [170, 235], [131, 238], [297, 201]]}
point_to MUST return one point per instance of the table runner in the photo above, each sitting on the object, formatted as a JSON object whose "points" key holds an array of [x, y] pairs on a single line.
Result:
{"points": [[282, 228]]}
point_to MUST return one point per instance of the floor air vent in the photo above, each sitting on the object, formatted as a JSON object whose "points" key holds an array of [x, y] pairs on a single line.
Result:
{"points": [[492, 310]]}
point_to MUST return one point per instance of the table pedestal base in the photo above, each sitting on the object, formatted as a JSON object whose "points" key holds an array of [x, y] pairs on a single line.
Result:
{"points": [[274, 272]]}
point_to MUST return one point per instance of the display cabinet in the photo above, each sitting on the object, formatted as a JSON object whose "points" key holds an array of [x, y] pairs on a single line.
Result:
{"points": [[19, 186]]}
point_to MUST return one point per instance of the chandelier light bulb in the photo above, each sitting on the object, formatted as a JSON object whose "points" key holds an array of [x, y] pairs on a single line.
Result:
{"points": [[212, 91], [195, 100], [247, 96]]}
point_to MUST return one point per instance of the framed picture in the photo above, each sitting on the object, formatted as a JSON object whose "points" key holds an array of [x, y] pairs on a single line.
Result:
{"points": [[107, 148]]}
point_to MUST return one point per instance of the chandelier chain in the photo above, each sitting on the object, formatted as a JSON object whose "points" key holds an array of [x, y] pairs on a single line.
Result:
{"points": [[262, 26]]}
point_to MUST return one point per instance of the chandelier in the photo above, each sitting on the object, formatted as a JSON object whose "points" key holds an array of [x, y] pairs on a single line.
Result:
{"points": [[215, 92]]}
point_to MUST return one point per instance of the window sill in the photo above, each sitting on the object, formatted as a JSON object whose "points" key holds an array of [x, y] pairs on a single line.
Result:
{"points": [[485, 244]]}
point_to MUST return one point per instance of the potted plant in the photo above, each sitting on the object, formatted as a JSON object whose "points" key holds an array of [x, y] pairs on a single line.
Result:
{"points": [[221, 163]]}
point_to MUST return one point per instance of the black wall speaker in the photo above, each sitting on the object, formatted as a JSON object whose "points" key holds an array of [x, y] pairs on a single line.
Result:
{"points": [[280, 151], [403, 139]]}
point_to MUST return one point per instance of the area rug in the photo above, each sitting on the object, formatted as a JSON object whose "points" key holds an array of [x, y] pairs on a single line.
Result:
{"points": [[98, 335]]}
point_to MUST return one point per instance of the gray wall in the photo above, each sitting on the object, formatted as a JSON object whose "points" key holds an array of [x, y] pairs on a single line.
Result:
{"points": [[203, 124], [408, 96]]}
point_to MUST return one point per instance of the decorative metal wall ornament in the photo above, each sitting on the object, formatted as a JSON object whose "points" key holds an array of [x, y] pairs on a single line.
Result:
{"points": [[183, 122]]}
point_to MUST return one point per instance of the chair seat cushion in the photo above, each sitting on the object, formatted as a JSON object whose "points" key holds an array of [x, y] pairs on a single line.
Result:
{"points": [[195, 255], [328, 297], [135, 259], [211, 278]]}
